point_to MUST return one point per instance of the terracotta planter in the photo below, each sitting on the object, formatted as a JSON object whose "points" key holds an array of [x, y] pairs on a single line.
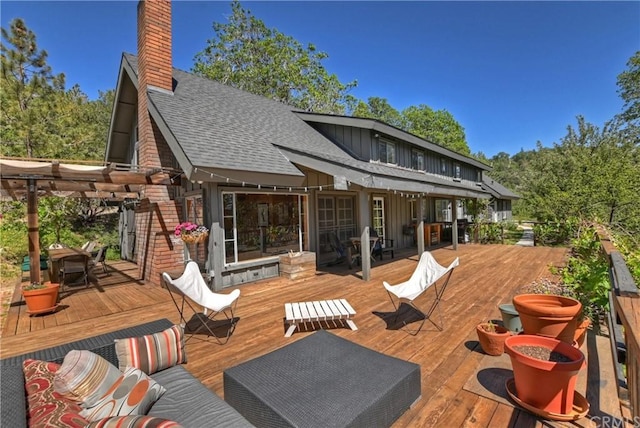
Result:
{"points": [[581, 333], [492, 343], [545, 385], [42, 300], [548, 315]]}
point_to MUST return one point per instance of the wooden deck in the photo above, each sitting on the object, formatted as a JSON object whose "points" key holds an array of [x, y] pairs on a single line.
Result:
{"points": [[488, 275]]}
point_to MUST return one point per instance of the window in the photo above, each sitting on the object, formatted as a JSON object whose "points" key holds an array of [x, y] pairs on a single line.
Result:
{"points": [[443, 210], [417, 159], [262, 225], [457, 172], [443, 166], [387, 152], [336, 215]]}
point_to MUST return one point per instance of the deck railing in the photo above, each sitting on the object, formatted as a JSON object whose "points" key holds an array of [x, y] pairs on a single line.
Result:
{"points": [[624, 329]]}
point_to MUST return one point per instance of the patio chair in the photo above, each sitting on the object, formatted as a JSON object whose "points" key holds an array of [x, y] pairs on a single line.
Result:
{"points": [[191, 287], [338, 247], [100, 258], [427, 273], [88, 246], [73, 265]]}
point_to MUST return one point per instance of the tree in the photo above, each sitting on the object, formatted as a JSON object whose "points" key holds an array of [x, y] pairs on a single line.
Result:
{"points": [[629, 88], [592, 174], [25, 90], [244, 53], [437, 126], [379, 108]]}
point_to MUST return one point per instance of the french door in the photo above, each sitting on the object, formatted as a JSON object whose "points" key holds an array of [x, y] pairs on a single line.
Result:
{"points": [[378, 216]]}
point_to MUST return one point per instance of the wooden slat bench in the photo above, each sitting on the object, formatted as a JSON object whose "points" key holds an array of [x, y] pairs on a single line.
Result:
{"points": [[316, 311]]}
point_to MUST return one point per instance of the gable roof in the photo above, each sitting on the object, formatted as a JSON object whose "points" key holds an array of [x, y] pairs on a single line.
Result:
{"points": [[496, 189], [215, 131]]}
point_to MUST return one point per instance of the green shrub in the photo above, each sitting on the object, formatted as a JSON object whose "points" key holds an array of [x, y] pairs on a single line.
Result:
{"points": [[587, 272]]}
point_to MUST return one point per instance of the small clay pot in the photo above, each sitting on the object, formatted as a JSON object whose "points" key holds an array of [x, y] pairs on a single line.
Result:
{"points": [[492, 343]]}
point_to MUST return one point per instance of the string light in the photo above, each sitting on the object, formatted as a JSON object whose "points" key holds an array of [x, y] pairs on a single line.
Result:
{"points": [[230, 180]]}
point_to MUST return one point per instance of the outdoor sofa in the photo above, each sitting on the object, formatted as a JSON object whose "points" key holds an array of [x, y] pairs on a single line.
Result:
{"points": [[186, 400]]}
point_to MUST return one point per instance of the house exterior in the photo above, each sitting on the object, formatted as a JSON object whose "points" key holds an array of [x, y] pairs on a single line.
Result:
{"points": [[499, 208], [267, 178]]}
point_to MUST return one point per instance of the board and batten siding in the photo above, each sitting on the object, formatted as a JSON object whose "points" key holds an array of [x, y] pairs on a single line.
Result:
{"points": [[363, 144]]}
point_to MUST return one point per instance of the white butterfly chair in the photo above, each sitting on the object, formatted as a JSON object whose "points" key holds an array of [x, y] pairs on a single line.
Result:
{"points": [[192, 287], [427, 273]]}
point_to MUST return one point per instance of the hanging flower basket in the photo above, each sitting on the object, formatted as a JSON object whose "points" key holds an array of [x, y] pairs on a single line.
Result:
{"points": [[194, 238], [191, 233]]}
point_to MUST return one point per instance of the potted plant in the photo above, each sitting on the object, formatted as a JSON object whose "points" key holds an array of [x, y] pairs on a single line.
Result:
{"points": [[545, 371], [548, 315], [587, 312], [191, 233], [492, 337], [40, 297]]}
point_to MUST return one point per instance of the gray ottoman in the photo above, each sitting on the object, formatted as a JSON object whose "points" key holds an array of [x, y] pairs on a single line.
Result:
{"points": [[322, 381]]}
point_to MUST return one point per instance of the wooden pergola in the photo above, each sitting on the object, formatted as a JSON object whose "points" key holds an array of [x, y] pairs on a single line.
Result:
{"points": [[29, 179]]}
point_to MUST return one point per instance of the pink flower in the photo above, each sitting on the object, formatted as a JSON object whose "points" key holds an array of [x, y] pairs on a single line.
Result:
{"points": [[187, 228]]}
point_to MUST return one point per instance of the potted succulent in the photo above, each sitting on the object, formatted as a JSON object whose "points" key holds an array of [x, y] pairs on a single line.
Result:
{"points": [[492, 337], [41, 297], [545, 371]]}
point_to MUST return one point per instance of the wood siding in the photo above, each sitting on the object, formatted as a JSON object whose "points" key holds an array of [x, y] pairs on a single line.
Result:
{"points": [[364, 144]]}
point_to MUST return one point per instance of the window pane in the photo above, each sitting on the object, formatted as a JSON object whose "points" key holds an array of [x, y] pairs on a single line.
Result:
{"points": [[391, 153]]}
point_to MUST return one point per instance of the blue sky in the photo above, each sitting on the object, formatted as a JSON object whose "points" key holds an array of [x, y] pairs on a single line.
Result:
{"points": [[512, 73]]}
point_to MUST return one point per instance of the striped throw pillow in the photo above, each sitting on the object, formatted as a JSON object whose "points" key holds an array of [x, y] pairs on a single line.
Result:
{"points": [[134, 422], [85, 377], [153, 352]]}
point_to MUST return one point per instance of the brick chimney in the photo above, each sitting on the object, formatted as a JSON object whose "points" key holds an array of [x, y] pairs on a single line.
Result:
{"points": [[157, 213], [154, 74]]}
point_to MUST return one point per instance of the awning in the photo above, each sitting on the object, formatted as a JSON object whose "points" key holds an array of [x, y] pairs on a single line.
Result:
{"points": [[30, 179], [112, 181]]}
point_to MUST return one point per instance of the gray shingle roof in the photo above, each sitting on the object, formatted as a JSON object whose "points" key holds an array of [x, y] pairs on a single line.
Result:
{"points": [[219, 126], [496, 189]]}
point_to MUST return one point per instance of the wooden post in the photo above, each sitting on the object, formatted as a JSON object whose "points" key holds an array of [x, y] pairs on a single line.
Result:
{"points": [[454, 223], [420, 227], [365, 219], [34, 233]]}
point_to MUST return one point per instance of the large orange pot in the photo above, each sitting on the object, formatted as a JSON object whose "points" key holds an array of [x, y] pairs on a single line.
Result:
{"points": [[545, 385], [548, 315], [581, 332], [42, 300]]}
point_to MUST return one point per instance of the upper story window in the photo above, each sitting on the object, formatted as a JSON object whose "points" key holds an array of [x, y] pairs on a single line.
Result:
{"points": [[457, 172], [417, 159], [387, 152], [479, 176], [443, 166]]}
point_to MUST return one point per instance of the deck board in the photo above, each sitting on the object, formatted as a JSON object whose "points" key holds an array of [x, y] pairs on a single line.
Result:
{"points": [[488, 275]]}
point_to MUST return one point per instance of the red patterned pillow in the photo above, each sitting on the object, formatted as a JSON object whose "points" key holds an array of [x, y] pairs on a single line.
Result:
{"points": [[47, 408], [134, 422], [153, 352]]}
